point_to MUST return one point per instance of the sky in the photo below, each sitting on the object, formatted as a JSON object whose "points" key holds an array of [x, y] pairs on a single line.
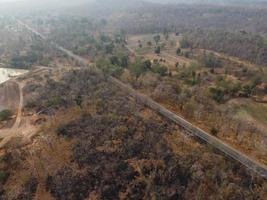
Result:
{"points": [[75, 2], [5, 0]]}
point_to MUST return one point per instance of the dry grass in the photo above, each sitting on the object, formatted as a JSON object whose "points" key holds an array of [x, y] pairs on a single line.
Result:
{"points": [[248, 111], [44, 156]]}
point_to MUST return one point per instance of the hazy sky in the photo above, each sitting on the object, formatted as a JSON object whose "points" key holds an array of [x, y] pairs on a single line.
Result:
{"points": [[9, 0]]}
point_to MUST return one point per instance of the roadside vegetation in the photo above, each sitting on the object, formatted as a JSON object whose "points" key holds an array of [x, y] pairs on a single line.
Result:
{"points": [[115, 148], [18, 50], [5, 115], [198, 84]]}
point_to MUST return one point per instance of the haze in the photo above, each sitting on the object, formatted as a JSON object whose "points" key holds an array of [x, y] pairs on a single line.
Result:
{"points": [[133, 99]]}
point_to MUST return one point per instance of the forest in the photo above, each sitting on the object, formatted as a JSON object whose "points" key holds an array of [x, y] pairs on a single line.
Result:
{"points": [[74, 134], [114, 151], [238, 44]]}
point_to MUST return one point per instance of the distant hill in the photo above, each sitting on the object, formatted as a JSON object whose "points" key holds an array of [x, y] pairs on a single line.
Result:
{"points": [[220, 2], [111, 4], [102, 7], [94, 6]]}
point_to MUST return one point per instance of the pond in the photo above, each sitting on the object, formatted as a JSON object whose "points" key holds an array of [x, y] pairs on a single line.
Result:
{"points": [[7, 73]]}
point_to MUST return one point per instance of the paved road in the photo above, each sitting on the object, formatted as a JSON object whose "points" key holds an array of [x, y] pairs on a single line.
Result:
{"points": [[250, 163], [215, 142]]}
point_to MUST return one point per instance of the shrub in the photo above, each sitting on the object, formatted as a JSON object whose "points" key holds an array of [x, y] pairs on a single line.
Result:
{"points": [[115, 70], [78, 100], [217, 94], [114, 60], [185, 43], [192, 81], [189, 109], [178, 51], [54, 101], [214, 131], [157, 50], [157, 38], [138, 68], [3, 177], [159, 69], [246, 91], [148, 64], [31, 104], [5, 115], [211, 61], [62, 130]]}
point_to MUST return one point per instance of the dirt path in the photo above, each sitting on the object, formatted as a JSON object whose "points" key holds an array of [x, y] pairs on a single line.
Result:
{"points": [[20, 132], [8, 134], [20, 107], [176, 58]]}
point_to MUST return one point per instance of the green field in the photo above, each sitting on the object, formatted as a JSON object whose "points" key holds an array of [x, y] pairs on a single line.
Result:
{"points": [[250, 109]]}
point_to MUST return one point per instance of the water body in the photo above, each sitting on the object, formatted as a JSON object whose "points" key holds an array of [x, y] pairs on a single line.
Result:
{"points": [[7, 73]]}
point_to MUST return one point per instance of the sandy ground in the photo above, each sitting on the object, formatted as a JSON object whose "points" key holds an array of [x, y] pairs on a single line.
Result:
{"points": [[22, 130]]}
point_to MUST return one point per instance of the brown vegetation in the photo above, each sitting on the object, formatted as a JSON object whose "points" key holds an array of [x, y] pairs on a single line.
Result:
{"points": [[112, 151]]}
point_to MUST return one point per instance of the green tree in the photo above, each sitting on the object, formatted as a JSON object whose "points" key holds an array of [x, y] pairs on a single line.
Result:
{"points": [[5, 115], [166, 34], [3, 176], [211, 61], [103, 64], [214, 131], [157, 50], [138, 68], [178, 51], [217, 94], [157, 39], [109, 48], [115, 70], [54, 101], [104, 38], [185, 43], [159, 69], [246, 90], [81, 51], [124, 61], [78, 100], [114, 60], [148, 64]]}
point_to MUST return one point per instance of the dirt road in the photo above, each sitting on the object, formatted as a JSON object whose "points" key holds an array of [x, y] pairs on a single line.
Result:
{"points": [[8, 134], [19, 131]]}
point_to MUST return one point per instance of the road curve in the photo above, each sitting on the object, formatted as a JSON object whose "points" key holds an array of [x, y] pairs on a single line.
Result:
{"points": [[248, 162]]}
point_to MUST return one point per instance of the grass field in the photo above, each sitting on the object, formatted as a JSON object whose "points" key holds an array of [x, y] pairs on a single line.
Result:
{"points": [[251, 111], [245, 109]]}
